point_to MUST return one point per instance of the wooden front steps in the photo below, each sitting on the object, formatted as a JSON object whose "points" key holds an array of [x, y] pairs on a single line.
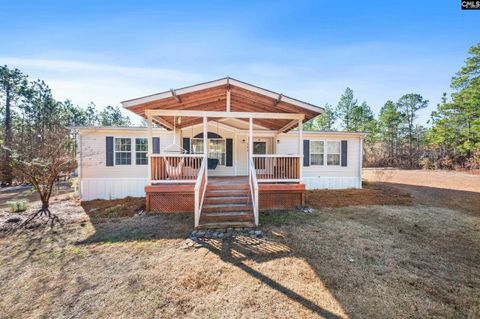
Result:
{"points": [[227, 203]]}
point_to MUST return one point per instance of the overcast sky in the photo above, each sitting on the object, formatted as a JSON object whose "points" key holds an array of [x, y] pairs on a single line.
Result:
{"points": [[107, 52]]}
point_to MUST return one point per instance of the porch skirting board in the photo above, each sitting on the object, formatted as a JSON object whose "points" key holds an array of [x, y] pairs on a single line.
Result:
{"points": [[331, 182], [111, 188]]}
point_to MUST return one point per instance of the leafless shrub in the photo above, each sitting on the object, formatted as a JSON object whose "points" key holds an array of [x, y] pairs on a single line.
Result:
{"points": [[41, 163]]}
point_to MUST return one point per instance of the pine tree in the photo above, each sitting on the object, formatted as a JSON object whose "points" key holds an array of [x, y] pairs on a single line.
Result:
{"points": [[409, 105], [390, 120], [345, 108], [11, 85]]}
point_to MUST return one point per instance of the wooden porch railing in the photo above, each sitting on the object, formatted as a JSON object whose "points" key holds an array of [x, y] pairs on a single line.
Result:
{"points": [[253, 183], [176, 168], [277, 167]]}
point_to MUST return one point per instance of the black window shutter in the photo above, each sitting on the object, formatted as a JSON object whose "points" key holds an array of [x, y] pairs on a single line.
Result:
{"points": [[229, 146], [186, 144], [109, 150], [156, 145], [306, 152], [344, 153]]}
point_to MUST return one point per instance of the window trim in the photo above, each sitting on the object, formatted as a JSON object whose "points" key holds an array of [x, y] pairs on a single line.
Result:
{"points": [[214, 138], [134, 150], [325, 162], [115, 150]]}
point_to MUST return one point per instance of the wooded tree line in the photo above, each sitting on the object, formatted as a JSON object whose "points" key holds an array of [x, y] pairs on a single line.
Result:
{"points": [[452, 139], [29, 112]]}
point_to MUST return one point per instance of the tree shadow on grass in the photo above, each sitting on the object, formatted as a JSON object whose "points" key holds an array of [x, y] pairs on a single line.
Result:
{"points": [[178, 226], [242, 248]]}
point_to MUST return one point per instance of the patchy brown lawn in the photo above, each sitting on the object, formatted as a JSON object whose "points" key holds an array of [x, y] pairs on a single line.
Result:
{"points": [[404, 260], [371, 194], [452, 180], [450, 189]]}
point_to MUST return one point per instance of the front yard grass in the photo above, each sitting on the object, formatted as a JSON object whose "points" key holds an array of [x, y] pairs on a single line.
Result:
{"points": [[377, 261]]}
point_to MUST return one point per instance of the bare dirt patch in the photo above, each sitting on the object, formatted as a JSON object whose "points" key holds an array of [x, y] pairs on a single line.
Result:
{"points": [[124, 207], [450, 189], [371, 194], [25, 192], [453, 180], [66, 206]]}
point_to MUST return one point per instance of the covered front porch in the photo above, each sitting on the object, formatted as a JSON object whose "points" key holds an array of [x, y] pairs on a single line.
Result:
{"points": [[238, 169], [181, 174]]}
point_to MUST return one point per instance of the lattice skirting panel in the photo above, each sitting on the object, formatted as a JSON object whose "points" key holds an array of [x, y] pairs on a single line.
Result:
{"points": [[171, 202], [279, 199], [170, 198]]}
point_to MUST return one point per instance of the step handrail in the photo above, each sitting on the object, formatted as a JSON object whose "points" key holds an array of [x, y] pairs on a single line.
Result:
{"points": [[253, 183], [200, 189]]}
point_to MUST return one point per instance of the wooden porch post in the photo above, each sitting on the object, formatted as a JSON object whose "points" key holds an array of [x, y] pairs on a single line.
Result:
{"points": [[300, 148], [250, 137], [149, 149], [205, 137]]}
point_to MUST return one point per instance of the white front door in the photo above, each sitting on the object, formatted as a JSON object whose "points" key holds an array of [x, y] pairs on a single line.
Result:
{"points": [[261, 145]]}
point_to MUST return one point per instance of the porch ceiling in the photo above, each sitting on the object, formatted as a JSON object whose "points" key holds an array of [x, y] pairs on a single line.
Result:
{"points": [[212, 96]]}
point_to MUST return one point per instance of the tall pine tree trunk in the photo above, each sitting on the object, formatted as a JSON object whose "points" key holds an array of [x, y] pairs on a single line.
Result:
{"points": [[6, 169]]}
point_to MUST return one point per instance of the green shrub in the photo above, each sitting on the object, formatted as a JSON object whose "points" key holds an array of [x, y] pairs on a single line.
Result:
{"points": [[17, 206]]}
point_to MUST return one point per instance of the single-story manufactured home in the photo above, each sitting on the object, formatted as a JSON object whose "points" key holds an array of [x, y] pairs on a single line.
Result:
{"points": [[256, 155]]}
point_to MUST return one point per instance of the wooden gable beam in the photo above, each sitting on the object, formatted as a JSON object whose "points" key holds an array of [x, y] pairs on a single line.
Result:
{"points": [[267, 102], [163, 122], [255, 115], [187, 101], [289, 126], [270, 124]]}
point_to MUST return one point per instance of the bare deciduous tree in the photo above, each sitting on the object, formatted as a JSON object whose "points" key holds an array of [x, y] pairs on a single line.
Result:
{"points": [[42, 163]]}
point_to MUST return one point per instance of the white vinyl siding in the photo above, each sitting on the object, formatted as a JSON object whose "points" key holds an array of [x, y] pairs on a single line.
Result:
{"points": [[101, 181]]}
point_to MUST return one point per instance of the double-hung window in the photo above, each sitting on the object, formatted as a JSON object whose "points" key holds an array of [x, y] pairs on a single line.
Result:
{"points": [[317, 151], [141, 151], [333, 153], [123, 151], [322, 152]]}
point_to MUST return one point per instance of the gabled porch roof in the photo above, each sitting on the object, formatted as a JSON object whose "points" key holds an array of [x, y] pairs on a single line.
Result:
{"points": [[223, 95]]}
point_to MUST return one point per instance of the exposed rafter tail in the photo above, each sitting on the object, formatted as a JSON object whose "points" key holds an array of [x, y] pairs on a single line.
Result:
{"points": [[174, 94], [278, 100]]}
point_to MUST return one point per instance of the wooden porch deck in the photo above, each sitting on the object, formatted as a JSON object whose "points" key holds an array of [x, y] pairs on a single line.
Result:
{"points": [[227, 200]]}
